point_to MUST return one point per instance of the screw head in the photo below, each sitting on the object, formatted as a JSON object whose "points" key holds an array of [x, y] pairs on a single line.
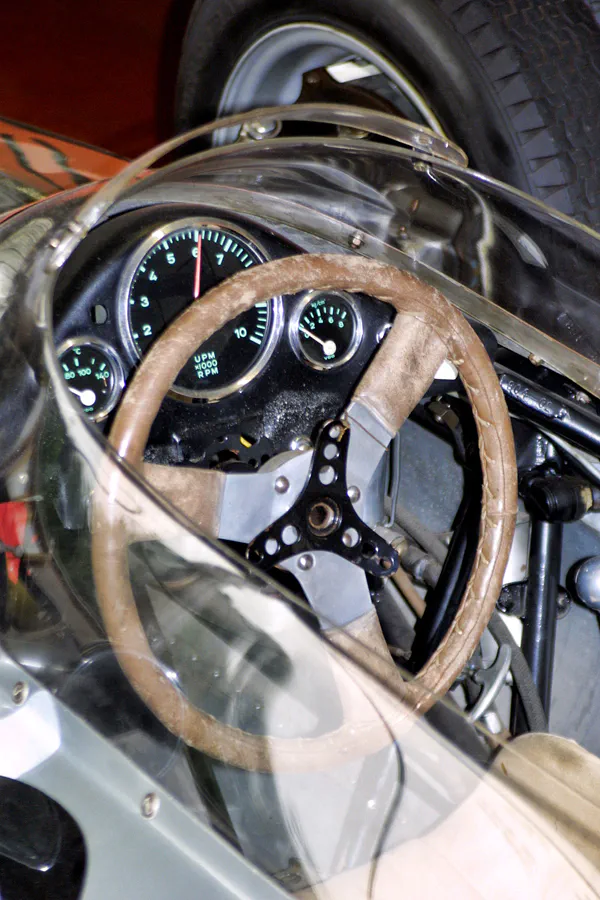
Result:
{"points": [[353, 493], [20, 693], [150, 805], [306, 562], [356, 240], [281, 484]]}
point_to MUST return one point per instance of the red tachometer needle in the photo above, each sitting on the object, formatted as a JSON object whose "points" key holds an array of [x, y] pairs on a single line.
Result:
{"points": [[198, 268]]}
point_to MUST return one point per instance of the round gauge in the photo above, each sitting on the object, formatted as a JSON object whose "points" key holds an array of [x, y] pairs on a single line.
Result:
{"points": [[326, 329], [93, 374], [174, 267]]}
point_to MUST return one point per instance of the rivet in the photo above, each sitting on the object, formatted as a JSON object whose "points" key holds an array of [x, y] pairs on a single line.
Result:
{"points": [[306, 562], [150, 805], [20, 693], [282, 484], [353, 493]]}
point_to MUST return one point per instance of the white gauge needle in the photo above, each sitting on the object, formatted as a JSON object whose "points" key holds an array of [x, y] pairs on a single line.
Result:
{"points": [[329, 347], [87, 397]]}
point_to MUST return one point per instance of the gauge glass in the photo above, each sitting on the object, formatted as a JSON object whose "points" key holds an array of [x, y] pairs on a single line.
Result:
{"points": [[94, 375], [172, 269], [326, 329]]}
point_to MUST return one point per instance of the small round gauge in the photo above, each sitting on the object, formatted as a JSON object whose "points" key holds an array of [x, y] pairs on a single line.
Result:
{"points": [[93, 374], [326, 329], [174, 267]]}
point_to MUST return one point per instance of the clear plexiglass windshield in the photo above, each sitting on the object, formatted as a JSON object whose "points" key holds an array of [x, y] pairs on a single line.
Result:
{"points": [[305, 762]]}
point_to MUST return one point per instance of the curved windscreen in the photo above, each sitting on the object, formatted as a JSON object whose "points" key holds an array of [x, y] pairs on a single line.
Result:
{"points": [[294, 743]]}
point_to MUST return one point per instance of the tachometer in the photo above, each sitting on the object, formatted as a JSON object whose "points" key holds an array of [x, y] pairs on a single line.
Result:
{"points": [[175, 266]]}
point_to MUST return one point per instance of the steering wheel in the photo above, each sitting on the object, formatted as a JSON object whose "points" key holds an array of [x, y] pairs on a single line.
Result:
{"points": [[426, 330]]}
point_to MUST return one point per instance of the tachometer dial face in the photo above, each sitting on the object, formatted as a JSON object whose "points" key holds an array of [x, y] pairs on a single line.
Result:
{"points": [[93, 373], [171, 270], [326, 329]]}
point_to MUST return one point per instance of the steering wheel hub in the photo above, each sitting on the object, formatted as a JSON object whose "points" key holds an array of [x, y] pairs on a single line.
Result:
{"points": [[323, 517]]}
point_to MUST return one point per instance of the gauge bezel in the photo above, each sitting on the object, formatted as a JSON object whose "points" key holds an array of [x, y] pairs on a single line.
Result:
{"points": [[88, 340], [124, 323], [294, 333]]}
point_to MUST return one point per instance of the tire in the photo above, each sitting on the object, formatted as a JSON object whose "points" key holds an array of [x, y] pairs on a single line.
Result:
{"points": [[516, 83]]}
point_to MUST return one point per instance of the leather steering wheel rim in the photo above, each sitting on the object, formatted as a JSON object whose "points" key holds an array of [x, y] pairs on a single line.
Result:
{"points": [[427, 329]]}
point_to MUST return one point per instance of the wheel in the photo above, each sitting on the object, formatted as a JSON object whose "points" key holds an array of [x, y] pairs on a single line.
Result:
{"points": [[426, 330], [514, 82]]}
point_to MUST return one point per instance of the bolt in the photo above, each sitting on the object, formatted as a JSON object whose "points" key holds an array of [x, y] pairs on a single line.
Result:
{"points": [[20, 693], [301, 443], [306, 562], [262, 129], [582, 397], [356, 240], [535, 360], [150, 805], [353, 493], [282, 484], [420, 167]]}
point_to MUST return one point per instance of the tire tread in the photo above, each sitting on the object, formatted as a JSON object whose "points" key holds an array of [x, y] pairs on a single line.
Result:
{"points": [[543, 63]]}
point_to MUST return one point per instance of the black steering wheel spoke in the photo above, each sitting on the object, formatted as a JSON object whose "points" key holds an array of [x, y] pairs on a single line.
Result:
{"points": [[323, 517]]}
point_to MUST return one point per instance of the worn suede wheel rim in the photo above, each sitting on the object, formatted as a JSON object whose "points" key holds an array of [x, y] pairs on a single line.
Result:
{"points": [[426, 330]]}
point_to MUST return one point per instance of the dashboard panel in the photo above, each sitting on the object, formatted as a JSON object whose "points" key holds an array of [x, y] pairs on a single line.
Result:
{"points": [[265, 379]]}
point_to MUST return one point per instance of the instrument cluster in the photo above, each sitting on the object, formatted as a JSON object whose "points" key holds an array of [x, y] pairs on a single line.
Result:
{"points": [[148, 266]]}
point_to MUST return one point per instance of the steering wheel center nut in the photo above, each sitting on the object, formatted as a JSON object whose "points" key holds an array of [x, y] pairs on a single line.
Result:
{"points": [[324, 517]]}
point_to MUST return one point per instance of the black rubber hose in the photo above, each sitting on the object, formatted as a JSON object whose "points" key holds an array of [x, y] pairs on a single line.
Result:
{"points": [[444, 599], [530, 698], [528, 693]]}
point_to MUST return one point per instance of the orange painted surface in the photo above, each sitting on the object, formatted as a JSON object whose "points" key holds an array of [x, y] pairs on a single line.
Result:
{"points": [[50, 164], [94, 70]]}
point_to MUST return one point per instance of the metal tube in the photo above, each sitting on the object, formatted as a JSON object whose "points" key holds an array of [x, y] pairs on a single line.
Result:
{"points": [[539, 625], [554, 413]]}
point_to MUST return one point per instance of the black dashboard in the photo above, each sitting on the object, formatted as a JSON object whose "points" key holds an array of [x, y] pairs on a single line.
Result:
{"points": [[265, 379]]}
